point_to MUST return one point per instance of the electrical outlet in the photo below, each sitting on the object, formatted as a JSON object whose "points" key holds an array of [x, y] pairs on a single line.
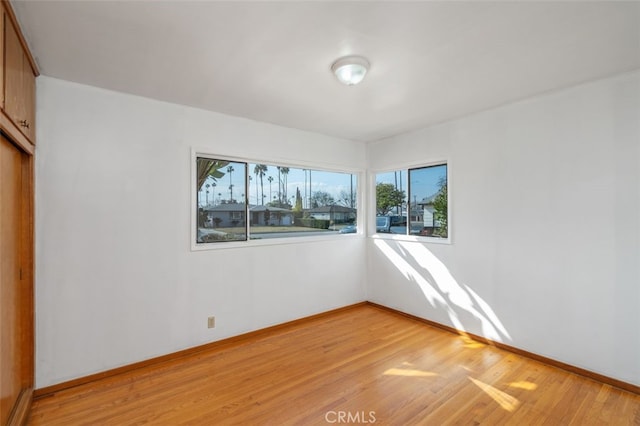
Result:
{"points": [[211, 322]]}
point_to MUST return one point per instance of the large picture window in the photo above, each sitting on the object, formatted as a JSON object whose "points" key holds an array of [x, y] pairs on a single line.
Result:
{"points": [[237, 201], [413, 202]]}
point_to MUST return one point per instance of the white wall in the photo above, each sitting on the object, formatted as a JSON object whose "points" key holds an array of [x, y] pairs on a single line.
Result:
{"points": [[116, 281], [546, 227]]}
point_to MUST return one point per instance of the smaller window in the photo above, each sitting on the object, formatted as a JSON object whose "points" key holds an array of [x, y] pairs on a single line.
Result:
{"points": [[413, 202]]}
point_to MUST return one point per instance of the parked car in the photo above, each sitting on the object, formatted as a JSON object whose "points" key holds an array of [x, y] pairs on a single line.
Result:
{"points": [[391, 224], [350, 229], [398, 220], [383, 224]]}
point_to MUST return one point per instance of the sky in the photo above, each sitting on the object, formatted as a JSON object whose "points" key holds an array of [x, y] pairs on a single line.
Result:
{"points": [[424, 180], [424, 183], [331, 182]]}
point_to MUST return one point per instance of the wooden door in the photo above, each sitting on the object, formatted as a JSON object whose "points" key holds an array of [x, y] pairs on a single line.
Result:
{"points": [[16, 291]]}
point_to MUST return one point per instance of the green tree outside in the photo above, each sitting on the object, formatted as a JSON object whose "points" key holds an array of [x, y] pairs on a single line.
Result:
{"points": [[297, 208], [321, 198], [441, 209], [387, 197]]}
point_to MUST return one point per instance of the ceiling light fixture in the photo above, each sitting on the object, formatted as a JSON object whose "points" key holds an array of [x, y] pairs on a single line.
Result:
{"points": [[350, 70]]}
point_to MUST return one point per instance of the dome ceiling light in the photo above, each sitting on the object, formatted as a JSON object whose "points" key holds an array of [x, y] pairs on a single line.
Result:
{"points": [[350, 70]]}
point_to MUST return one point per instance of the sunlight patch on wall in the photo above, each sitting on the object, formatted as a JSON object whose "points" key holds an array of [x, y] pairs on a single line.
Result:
{"points": [[418, 264], [410, 273], [489, 313]]}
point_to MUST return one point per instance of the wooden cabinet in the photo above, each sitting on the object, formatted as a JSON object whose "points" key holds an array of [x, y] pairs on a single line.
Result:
{"points": [[18, 73], [19, 83], [17, 128]]}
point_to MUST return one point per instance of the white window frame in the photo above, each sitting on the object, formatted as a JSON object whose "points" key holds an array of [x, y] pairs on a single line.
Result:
{"points": [[371, 211], [207, 153]]}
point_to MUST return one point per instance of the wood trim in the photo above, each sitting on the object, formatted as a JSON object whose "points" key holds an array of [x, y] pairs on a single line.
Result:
{"points": [[13, 133], [21, 409], [27, 249], [51, 390], [549, 361], [12, 17]]}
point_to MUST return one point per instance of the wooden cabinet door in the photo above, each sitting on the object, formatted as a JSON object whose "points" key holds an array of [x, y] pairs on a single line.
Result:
{"points": [[16, 315], [2, 57], [28, 99], [19, 83], [12, 72]]}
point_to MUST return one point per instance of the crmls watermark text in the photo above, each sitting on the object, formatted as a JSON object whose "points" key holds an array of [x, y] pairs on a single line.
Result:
{"points": [[350, 417]]}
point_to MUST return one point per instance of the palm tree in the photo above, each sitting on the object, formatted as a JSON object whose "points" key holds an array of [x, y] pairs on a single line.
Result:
{"points": [[310, 192], [260, 170], [270, 179], [250, 180], [209, 169], [279, 184], [285, 173], [230, 170], [305, 184]]}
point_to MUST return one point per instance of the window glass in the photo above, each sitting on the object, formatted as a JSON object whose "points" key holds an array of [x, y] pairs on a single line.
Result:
{"points": [[295, 202], [221, 200], [391, 202], [413, 202], [428, 199], [237, 201]]}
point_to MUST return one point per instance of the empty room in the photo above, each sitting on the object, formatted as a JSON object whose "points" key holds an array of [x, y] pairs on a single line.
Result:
{"points": [[318, 212]]}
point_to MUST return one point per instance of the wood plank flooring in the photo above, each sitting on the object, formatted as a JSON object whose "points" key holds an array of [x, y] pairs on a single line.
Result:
{"points": [[361, 365]]}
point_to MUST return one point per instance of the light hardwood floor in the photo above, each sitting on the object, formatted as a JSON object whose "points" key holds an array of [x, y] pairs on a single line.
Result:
{"points": [[364, 364]]}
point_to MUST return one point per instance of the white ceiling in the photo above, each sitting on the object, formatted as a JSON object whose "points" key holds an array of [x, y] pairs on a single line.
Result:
{"points": [[269, 61]]}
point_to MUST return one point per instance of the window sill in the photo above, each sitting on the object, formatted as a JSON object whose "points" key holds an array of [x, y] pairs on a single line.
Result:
{"points": [[412, 238], [272, 242]]}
